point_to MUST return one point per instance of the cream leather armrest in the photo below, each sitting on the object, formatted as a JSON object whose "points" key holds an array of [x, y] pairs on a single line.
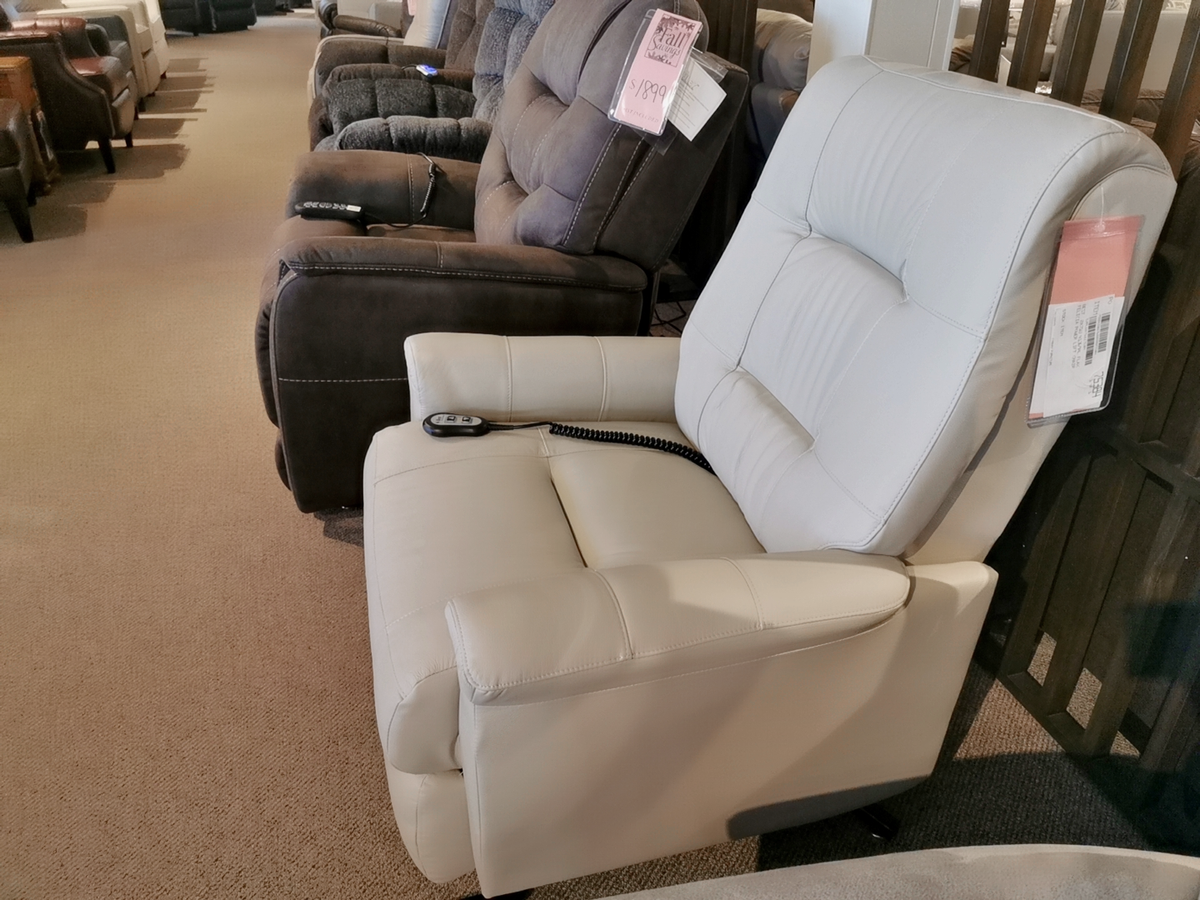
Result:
{"points": [[595, 630], [514, 379]]}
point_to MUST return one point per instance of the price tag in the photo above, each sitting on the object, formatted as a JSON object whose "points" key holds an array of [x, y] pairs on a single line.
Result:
{"points": [[653, 72], [698, 97], [1077, 346]]}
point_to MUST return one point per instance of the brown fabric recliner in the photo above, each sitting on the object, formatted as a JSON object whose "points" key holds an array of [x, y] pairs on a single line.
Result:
{"points": [[554, 232], [86, 97]]}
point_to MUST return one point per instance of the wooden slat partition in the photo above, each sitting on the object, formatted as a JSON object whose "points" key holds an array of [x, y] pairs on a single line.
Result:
{"points": [[1030, 49], [1181, 104], [989, 38], [1077, 48], [1129, 60]]}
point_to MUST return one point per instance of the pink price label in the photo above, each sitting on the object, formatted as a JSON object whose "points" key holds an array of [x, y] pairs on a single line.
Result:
{"points": [[655, 71]]}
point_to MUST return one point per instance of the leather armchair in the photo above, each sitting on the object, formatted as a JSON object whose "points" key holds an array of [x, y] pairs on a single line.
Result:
{"points": [[187, 15], [86, 97], [18, 155], [554, 232], [334, 23], [589, 655], [148, 31]]}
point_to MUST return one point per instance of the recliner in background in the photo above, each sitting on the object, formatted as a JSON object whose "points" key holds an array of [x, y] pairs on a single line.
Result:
{"points": [[559, 230], [384, 108]]}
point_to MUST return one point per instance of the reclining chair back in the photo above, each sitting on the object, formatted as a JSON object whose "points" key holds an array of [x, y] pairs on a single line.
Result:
{"points": [[510, 28], [863, 304], [558, 173]]}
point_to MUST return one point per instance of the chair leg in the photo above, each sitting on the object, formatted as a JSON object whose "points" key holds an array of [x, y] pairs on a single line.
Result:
{"points": [[20, 216], [881, 823], [106, 152], [31, 196], [129, 139]]}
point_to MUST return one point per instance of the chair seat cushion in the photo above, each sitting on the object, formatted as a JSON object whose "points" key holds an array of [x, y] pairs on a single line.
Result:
{"points": [[464, 139], [451, 516], [362, 98], [106, 72]]}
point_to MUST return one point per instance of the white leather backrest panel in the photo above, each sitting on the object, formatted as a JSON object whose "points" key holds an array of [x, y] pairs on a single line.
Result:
{"points": [[856, 344]]}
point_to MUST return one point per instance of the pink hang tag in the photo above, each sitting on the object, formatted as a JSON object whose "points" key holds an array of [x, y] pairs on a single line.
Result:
{"points": [[1081, 319], [653, 71]]}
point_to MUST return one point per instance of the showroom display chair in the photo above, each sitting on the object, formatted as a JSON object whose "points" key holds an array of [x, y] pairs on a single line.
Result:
{"points": [[332, 22], [185, 15], [18, 159], [555, 232], [85, 97], [385, 108], [451, 48], [142, 24], [587, 655], [227, 15]]}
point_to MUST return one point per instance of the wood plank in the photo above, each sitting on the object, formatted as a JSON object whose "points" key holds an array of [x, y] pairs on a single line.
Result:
{"points": [[1181, 104], [990, 34], [1073, 57], [1105, 511], [1129, 59], [1061, 483], [1030, 50]]}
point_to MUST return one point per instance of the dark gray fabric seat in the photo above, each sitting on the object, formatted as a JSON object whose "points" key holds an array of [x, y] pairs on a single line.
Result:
{"points": [[553, 232], [506, 34]]}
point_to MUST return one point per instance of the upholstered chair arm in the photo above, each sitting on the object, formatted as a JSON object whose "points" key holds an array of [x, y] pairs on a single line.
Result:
{"points": [[344, 49], [390, 187], [115, 27], [512, 379], [596, 630], [337, 310], [360, 25], [98, 38]]}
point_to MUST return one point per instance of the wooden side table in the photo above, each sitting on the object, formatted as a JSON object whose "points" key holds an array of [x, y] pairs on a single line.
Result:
{"points": [[17, 82]]}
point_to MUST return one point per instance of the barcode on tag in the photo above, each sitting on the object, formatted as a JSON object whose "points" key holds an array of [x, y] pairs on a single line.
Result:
{"points": [[1075, 353]]}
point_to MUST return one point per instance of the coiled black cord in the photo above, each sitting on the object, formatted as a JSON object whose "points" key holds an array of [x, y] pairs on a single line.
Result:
{"points": [[615, 437]]}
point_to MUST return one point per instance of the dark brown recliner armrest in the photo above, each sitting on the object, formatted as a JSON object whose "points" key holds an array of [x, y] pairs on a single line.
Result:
{"points": [[332, 327], [360, 25], [391, 187]]}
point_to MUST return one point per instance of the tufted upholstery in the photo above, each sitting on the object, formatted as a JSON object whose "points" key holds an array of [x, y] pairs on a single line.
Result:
{"points": [[365, 98], [635, 658], [506, 35]]}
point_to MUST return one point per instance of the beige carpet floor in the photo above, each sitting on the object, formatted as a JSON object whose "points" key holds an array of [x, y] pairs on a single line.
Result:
{"points": [[185, 697]]}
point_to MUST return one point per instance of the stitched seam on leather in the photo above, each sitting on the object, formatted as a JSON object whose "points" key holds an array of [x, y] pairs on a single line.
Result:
{"points": [[340, 380], [612, 135], [750, 587], [621, 194], [306, 268], [620, 614], [417, 816], [444, 601], [492, 192], [695, 642], [603, 380]]}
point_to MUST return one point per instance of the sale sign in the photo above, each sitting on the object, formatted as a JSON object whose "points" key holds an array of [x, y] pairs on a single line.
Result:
{"points": [[653, 72]]}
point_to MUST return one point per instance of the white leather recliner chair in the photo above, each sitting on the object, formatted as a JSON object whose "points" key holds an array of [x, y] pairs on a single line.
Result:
{"points": [[588, 655]]}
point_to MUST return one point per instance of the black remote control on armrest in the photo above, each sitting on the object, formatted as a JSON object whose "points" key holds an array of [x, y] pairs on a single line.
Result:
{"points": [[314, 209]]}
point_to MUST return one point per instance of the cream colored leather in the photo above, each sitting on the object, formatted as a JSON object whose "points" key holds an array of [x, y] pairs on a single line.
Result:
{"points": [[596, 635], [511, 379], [858, 258]]}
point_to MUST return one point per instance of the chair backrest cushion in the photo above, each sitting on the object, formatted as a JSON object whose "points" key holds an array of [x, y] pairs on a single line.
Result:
{"points": [[558, 173], [466, 30], [510, 27], [862, 335], [430, 19]]}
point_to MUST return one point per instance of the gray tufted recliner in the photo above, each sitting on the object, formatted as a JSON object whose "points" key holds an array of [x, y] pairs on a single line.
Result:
{"points": [[554, 232], [389, 57], [384, 108]]}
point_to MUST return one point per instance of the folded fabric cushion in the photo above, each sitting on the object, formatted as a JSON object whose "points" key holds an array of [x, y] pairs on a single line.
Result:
{"points": [[366, 98], [464, 138]]}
